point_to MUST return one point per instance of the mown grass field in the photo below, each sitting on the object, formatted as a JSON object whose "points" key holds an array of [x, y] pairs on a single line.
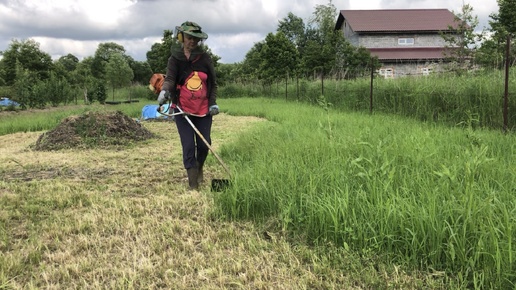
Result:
{"points": [[319, 200]]}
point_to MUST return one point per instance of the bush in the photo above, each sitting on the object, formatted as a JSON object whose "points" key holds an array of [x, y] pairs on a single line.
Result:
{"points": [[98, 92], [24, 93], [6, 92], [54, 90]]}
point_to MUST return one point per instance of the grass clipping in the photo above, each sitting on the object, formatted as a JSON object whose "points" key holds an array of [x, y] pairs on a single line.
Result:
{"points": [[93, 130]]}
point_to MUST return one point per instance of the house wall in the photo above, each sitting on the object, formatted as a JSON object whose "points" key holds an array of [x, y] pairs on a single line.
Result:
{"points": [[407, 68], [350, 35], [391, 40]]}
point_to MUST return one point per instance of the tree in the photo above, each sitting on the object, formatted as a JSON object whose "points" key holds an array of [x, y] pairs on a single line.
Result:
{"points": [[353, 61], [65, 66], [507, 15], [2, 81], [279, 57], [24, 90], [83, 77], [142, 71], [69, 62], [102, 55], [250, 68], [317, 57], [461, 39], [54, 90], [296, 48], [492, 51], [507, 20], [97, 91], [118, 72], [27, 55], [294, 29], [322, 41], [227, 72], [323, 19], [158, 56]]}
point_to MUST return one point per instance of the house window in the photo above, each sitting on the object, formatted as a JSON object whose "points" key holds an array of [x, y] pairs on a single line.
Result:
{"points": [[387, 73], [406, 41], [426, 71]]}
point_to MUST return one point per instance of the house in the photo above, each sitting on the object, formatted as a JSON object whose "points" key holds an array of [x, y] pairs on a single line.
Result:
{"points": [[406, 41]]}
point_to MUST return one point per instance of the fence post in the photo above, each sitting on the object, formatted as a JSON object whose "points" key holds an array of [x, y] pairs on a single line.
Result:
{"points": [[297, 87], [506, 95], [371, 88], [286, 87], [322, 82]]}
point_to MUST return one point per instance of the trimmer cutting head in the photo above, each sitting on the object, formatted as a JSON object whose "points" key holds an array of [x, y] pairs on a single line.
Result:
{"points": [[219, 184]]}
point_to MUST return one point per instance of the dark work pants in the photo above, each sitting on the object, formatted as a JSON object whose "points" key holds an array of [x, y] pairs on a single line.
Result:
{"points": [[194, 149]]}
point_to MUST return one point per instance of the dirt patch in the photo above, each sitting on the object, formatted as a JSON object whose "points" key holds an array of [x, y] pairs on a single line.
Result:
{"points": [[93, 130]]}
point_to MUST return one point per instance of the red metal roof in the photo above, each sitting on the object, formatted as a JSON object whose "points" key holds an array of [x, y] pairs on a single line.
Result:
{"points": [[413, 53], [397, 20]]}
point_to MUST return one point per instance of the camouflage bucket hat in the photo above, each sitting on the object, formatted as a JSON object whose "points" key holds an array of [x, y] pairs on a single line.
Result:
{"points": [[193, 29]]}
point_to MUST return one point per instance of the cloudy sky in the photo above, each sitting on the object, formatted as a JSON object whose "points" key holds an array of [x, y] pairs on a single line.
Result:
{"points": [[234, 26]]}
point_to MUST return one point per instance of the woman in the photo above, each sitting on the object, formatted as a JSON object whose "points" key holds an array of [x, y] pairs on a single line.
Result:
{"points": [[190, 84]]}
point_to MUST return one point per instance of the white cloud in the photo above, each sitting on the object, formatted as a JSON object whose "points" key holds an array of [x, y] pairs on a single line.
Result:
{"points": [[233, 45], [234, 26], [359, 5], [61, 47], [99, 11]]}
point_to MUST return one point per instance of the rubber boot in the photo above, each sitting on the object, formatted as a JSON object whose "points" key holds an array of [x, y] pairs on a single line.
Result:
{"points": [[200, 176], [192, 177]]}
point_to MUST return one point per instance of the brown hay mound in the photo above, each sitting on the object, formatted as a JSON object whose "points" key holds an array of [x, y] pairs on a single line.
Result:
{"points": [[93, 129]]}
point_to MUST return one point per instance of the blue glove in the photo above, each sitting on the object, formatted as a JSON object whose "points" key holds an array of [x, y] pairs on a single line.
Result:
{"points": [[214, 110], [163, 97]]}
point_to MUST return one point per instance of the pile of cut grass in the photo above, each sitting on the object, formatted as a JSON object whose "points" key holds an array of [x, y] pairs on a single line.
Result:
{"points": [[93, 129]]}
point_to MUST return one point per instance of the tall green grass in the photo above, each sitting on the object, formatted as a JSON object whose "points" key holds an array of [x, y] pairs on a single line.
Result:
{"points": [[474, 99], [424, 195]]}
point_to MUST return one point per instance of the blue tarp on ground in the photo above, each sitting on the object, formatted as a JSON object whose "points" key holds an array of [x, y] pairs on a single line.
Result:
{"points": [[151, 112], [7, 102]]}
